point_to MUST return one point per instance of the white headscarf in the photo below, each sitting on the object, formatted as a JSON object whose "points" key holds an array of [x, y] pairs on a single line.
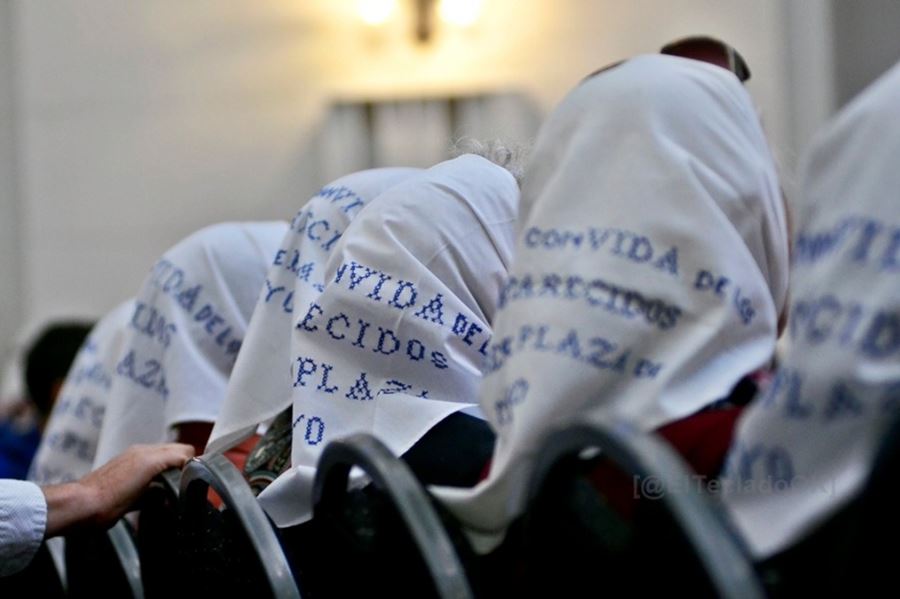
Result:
{"points": [[260, 385], [804, 448], [395, 342], [69, 441], [185, 332], [651, 266]]}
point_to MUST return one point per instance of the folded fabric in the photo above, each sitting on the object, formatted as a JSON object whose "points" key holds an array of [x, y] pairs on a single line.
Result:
{"points": [[185, 331], [650, 270], [804, 448], [260, 385], [396, 340]]}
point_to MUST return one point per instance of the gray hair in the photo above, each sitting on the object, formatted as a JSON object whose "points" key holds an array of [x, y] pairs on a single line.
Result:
{"points": [[510, 157]]}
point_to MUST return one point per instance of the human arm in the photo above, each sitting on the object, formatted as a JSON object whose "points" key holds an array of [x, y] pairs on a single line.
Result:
{"points": [[103, 496]]}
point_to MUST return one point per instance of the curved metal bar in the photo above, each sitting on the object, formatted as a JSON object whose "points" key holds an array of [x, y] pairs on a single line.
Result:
{"points": [[642, 455], [127, 553], [220, 474], [170, 480], [157, 534], [393, 476]]}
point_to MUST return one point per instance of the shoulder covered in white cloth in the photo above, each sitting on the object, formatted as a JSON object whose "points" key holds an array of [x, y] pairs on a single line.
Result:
{"points": [[396, 341], [803, 450], [650, 271], [186, 330]]}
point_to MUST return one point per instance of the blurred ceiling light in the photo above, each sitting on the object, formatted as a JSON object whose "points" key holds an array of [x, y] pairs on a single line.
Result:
{"points": [[463, 13], [375, 12], [458, 13]]}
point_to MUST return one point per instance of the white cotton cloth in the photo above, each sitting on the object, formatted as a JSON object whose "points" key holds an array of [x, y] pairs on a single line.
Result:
{"points": [[803, 449], [70, 437], [23, 519], [650, 269], [260, 385], [184, 334], [395, 342]]}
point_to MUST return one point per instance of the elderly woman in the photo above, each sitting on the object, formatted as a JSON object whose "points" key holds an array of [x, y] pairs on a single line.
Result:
{"points": [[804, 449], [650, 273], [261, 383], [395, 343]]}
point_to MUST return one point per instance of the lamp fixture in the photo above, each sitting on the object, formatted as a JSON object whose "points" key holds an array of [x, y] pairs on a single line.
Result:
{"points": [[458, 13], [376, 12], [462, 13]]}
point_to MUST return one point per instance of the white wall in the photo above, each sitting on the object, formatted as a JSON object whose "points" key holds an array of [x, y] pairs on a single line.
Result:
{"points": [[868, 37], [10, 250], [809, 58], [141, 121]]}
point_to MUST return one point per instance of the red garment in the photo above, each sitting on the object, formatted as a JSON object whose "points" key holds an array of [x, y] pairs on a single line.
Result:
{"points": [[237, 455], [701, 439]]}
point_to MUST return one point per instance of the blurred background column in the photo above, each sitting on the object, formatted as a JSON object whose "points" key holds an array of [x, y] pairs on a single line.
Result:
{"points": [[809, 32], [10, 243], [866, 43]]}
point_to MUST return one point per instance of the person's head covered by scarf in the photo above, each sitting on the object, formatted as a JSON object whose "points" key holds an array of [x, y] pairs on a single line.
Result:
{"points": [[69, 442], [395, 343], [189, 320], [802, 450], [650, 267], [260, 385]]}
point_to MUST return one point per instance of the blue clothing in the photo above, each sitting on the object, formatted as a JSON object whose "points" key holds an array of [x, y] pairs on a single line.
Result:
{"points": [[17, 448]]}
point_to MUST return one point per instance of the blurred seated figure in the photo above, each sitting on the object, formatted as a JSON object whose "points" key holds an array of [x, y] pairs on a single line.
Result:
{"points": [[184, 332], [804, 449], [67, 449], [47, 361], [261, 382], [69, 441], [651, 269], [29, 513]]}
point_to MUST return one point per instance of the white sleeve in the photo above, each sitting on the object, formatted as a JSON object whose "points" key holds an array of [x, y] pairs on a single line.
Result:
{"points": [[23, 519]]}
